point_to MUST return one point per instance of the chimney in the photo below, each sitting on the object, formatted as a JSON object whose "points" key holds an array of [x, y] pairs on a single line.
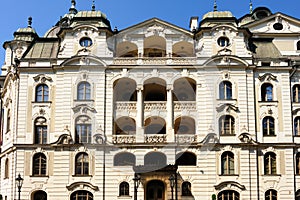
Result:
{"points": [[193, 23]]}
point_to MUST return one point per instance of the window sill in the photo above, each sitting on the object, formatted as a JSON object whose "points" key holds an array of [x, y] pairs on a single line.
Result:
{"points": [[228, 135], [37, 102], [269, 135], [270, 175], [267, 101], [228, 175], [125, 197], [39, 176], [78, 175], [83, 100]]}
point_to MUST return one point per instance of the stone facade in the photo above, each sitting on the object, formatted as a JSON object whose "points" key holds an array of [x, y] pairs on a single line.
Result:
{"points": [[153, 111]]}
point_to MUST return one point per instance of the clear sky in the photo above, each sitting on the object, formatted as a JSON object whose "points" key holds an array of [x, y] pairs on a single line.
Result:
{"points": [[124, 13]]}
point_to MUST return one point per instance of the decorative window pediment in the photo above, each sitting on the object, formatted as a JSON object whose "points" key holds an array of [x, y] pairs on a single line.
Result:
{"points": [[42, 78], [267, 77], [82, 184], [83, 108], [230, 184], [227, 107]]}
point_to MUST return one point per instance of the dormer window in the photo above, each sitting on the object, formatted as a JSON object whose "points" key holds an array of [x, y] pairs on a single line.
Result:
{"points": [[85, 42], [223, 42]]}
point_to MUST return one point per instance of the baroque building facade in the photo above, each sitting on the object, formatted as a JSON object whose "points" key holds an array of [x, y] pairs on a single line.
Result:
{"points": [[153, 111]]}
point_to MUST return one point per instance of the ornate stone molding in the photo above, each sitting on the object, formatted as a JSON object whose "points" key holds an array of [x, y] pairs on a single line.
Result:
{"points": [[83, 108], [227, 107], [229, 184], [42, 78], [268, 77], [82, 184]]}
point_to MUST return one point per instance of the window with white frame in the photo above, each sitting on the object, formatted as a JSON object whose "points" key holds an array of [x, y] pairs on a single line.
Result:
{"points": [[39, 164], [124, 189], [41, 93], [82, 164], [83, 129], [296, 93], [267, 92], [228, 195], [298, 163], [84, 91], [270, 163], [268, 124], [227, 125], [225, 90], [297, 126], [82, 195], [40, 131], [227, 161], [271, 195]]}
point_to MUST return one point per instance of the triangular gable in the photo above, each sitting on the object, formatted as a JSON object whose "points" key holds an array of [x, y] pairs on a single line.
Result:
{"points": [[266, 25], [155, 25]]}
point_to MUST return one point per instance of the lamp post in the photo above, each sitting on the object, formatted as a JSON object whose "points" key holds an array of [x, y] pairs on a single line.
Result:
{"points": [[19, 182], [136, 180], [172, 184]]}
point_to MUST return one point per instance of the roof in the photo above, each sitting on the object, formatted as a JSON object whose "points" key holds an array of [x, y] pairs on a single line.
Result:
{"points": [[43, 50], [265, 49]]}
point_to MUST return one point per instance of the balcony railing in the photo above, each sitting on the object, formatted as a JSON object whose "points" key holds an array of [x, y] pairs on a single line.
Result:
{"points": [[155, 138], [155, 105], [123, 139], [186, 138], [125, 105], [154, 61], [184, 105]]}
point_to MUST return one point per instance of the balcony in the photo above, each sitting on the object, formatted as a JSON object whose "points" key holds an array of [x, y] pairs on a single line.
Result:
{"points": [[155, 105], [184, 105], [155, 138], [154, 61], [182, 138], [123, 139]]}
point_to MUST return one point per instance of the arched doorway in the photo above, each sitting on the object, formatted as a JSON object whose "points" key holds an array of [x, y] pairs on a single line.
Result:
{"points": [[155, 190]]}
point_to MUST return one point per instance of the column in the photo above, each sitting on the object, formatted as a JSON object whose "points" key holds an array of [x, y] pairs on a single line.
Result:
{"points": [[169, 121], [139, 115]]}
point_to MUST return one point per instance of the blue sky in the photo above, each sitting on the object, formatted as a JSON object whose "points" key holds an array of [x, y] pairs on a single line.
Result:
{"points": [[124, 13]]}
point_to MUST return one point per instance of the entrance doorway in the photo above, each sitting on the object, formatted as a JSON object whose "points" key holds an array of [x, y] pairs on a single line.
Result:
{"points": [[155, 190]]}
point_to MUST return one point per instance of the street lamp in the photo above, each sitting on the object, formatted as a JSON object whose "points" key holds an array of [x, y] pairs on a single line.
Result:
{"points": [[172, 184], [19, 182], [136, 180]]}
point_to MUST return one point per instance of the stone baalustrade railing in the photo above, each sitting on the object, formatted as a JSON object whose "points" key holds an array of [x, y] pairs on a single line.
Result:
{"points": [[155, 139], [184, 105], [123, 139], [125, 105], [155, 61], [155, 105], [186, 138]]}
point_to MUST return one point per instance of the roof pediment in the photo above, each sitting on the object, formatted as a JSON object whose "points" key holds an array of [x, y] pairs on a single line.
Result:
{"points": [[83, 60], [277, 23], [226, 60], [157, 27]]}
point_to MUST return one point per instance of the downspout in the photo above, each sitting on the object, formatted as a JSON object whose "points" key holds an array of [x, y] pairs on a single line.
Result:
{"points": [[249, 159], [295, 68], [255, 127], [104, 131]]}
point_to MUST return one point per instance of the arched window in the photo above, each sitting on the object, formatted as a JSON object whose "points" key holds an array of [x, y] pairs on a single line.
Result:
{"points": [[271, 195], [227, 125], [186, 189], [268, 126], [41, 93], [227, 160], [124, 159], [297, 126], [270, 163], [186, 158], [296, 93], [39, 165], [267, 92], [40, 195], [40, 131], [6, 170], [228, 195], [81, 195], [155, 159], [84, 91], [298, 163], [124, 189], [225, 90], [297, 195], [82, 164], [83, 129], [8, 118], [298, 46]]}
